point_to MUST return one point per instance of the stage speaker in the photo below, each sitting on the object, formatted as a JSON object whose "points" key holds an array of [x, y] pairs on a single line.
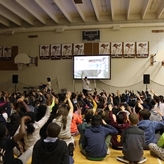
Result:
{"points": [[15, 79], [146, 78]]}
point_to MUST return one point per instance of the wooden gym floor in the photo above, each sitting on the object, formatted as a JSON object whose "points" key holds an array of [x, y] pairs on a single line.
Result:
{"points": [[111, 158]]}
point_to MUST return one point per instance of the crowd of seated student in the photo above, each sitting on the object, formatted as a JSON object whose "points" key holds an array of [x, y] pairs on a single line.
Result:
{"points": [[67, 110], [37, 118], [119, 108]]}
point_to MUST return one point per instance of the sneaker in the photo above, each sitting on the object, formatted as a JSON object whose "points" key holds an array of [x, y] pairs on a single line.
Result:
{"points": [[156, 150], [71, 149], [153, 154], [143, 159], [122, 159]]}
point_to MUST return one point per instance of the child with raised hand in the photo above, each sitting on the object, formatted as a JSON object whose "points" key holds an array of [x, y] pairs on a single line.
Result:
{"points": [[120, 122], [63, 119], [7, 144], [133, 142], [94, 144], [32, 131], [76, 119]]}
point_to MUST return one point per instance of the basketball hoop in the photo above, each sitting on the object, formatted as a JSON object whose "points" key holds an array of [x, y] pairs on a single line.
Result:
{"points": [[21, 59], [19, 66]]}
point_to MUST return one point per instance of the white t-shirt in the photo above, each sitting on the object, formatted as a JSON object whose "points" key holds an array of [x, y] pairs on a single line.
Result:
{"points": [[30, 140], [49, 85], [65, 134], [86, 84]]}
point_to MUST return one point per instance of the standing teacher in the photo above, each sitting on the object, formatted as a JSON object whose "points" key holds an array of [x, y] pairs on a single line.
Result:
{"points": [[86, 84]]}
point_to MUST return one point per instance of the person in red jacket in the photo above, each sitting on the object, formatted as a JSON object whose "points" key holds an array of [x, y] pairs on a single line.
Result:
{"points": [[76, 119]]}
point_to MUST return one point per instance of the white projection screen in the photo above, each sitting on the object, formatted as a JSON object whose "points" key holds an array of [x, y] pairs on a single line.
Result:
{"points": [[93, 66]]}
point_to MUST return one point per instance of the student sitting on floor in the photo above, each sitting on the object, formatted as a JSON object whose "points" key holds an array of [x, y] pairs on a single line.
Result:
{"points": [[85, 125], [51, 150], [120, 123], [7, 145], [133, 142], [95, 147], [156, 151], [76, 119], [149, 127], [63, 119], [32, 131]]}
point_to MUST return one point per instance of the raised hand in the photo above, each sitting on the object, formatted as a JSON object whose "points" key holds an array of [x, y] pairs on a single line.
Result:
{"points": [[68, 95], [49, 99]]}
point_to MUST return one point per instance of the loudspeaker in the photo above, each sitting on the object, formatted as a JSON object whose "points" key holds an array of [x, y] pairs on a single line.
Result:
{"points": [[15, 79], [146, 78]]}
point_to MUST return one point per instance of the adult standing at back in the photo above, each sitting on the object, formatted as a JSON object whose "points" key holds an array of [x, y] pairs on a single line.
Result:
{"points": [[48, 85], [86, 84]]}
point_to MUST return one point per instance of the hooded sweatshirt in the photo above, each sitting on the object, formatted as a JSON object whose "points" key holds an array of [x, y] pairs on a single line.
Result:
{"points": [[95, 145], [149, 128], [50, 152]]}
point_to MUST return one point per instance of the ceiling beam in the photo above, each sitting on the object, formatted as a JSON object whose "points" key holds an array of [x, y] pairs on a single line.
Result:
{"points": [[31, 10], [16, 10], [128, 11], [112, 8], [10, 16], [95, 9], [4, 21], [45, 8], [160, 11], [77, 6], [62, 9], [145, 8], [95, 25]]}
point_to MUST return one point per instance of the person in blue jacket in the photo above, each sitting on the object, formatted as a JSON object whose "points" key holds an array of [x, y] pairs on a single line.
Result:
{"points": [[95, 144], [149, 127]]}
